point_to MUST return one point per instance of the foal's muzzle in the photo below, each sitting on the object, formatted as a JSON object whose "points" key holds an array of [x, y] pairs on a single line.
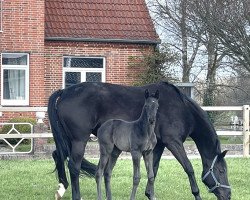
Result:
{"points": [[151, 120]]}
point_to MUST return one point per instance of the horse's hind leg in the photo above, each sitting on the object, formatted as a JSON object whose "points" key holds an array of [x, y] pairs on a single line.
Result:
{"points": [[179, 153], [108, 171], [74, 165], [63, 182], [148, 159], [136, 157]]}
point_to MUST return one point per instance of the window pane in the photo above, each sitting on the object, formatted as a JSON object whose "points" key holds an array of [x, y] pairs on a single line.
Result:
{"points": [[93, 77], [72, 78], [83, 62], [14, 59], [14, 84]]}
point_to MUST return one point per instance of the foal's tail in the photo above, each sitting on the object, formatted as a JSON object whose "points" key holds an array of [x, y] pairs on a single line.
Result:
{"points": [[62, 142]]}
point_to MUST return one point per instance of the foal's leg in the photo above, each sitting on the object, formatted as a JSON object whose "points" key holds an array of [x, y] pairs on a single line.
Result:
{"points": [[105, 151], [157, 153], [74, 165], [148, 159], [177, 149], [63, 182], [108, 171], [101, 165], [136, 157]]}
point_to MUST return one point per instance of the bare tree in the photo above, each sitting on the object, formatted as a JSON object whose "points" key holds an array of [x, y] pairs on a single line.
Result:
{"points": [[214, 54], [229, 21], [172, 18], [213, 30]]}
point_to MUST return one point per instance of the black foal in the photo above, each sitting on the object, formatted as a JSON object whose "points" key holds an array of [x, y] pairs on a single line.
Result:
{"points": [[137, 137]]}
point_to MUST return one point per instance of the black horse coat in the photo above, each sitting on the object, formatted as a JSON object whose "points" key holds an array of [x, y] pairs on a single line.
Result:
{"points": [[79, 110]]}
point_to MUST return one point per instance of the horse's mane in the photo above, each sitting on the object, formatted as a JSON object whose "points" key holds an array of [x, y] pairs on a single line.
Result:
{"points": [[190, 103], [197, 111], [181, 95]]}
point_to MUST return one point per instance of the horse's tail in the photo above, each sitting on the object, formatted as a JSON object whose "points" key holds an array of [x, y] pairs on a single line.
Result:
{"points": [[88, 168], [62, 146], [62, 142]]}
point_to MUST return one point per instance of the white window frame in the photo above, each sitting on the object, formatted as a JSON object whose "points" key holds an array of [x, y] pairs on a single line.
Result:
{"points": [[1, 16], [15, 102], [83, 71]]}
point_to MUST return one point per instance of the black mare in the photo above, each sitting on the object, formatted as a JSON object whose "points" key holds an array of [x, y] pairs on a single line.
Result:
{"points": [[137, 137], [78, 111]]}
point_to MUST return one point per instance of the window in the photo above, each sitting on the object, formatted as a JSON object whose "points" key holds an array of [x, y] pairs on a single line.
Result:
{"points": [[83, 69], [15, 79], [1, 15]]}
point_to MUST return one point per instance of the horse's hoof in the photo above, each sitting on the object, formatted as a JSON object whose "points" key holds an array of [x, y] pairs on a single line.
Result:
{"points": [[198, 198], [57, 196], [147, 195], [60, 192]]}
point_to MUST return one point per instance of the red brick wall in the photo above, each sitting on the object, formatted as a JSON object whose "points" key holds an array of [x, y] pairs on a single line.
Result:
{"points": [[117, 59], [23, 31]]}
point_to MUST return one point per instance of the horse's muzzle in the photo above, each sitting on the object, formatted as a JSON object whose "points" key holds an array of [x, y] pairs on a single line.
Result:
{"points": [[224, 197], [221, 198]]}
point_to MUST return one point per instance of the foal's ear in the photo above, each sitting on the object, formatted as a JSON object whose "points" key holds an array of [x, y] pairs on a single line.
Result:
{"points": [[223, 154], [157, 94], [146, 94]]}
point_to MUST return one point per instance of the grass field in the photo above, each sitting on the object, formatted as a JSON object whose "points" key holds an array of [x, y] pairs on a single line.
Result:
{"points": [[33, 180]]}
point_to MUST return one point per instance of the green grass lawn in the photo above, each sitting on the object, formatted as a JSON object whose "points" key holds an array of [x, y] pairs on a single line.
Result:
{"points": [[32, 179]]}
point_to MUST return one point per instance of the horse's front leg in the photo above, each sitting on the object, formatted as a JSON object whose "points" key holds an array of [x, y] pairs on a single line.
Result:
{"points": [[74, 166], [136, 157], [148, 159], [179, 153]]}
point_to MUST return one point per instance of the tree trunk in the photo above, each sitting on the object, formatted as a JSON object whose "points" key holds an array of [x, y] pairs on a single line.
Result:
{"points": [[209, 95], [185, 65]]}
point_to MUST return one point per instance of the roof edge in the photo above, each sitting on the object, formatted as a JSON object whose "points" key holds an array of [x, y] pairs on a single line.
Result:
{"points": [[103, 40]]}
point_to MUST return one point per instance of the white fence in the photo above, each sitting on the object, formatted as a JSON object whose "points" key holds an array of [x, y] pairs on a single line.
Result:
{"points": [[245, 124], [40, 113]]}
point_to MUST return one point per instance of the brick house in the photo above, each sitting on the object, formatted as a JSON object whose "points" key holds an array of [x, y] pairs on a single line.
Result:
{"points": [[51, 44]]}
